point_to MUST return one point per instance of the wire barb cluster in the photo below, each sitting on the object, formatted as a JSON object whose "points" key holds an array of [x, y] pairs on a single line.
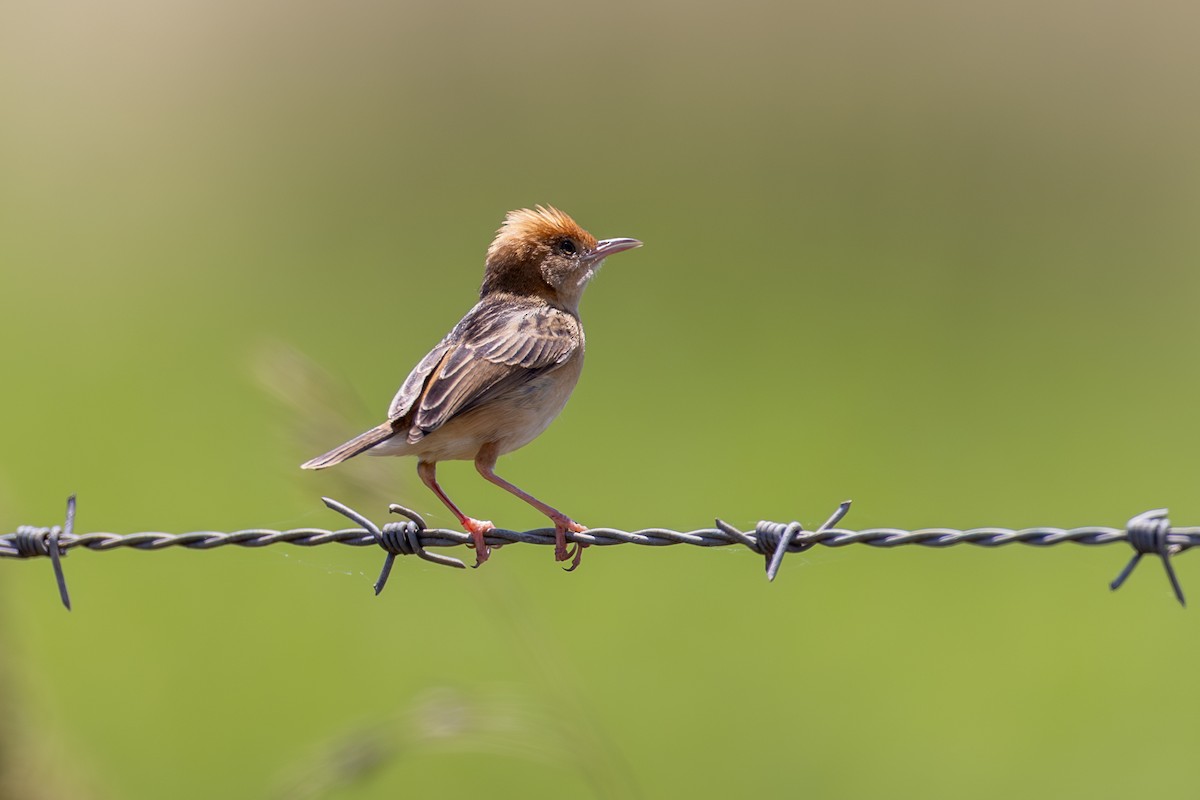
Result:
{"points": [[30, 541], [1148, 533]]}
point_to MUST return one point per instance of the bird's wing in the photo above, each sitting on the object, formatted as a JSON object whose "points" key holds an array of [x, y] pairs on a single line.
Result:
{"points": [[493, 349], [411, 389]]}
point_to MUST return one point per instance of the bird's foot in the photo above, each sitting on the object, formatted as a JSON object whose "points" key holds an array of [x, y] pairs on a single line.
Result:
{"points": [[478, 528], [562, 524]]}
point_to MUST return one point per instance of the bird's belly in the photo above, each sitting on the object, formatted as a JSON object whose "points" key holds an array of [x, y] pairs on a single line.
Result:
{"points": [[512, 420]]}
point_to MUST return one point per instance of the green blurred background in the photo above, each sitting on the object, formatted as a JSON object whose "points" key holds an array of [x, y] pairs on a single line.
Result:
{"points": [[936, 257]]}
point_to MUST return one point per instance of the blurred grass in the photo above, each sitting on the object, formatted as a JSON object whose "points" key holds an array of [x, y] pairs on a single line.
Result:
{"points": [[939, 258]]}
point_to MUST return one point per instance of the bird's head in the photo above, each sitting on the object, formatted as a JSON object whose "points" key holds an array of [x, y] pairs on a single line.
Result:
{"points": [[541, 252]]}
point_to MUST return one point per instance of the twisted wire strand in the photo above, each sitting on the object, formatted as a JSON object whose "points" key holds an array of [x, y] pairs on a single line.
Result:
{"points": [[1149, 532], [600, 537]]}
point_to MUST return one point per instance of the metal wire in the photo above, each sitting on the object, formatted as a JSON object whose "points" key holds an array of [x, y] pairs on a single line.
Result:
{"points": [[1148, 533]]}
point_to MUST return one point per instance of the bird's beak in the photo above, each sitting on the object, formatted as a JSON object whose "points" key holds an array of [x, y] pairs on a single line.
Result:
{"points": [[606, 248]]}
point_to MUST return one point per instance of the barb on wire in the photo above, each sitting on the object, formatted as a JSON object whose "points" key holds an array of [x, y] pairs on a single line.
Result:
{"points": [[31, 541], [1147, 533], [397, 538]]}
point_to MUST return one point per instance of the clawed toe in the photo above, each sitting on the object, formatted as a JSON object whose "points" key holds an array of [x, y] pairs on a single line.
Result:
{"points": [[575, 555], [561, 551], [478, 528]]}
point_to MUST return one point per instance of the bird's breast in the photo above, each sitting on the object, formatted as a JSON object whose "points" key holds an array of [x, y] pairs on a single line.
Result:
{"points": [[528, 409]]}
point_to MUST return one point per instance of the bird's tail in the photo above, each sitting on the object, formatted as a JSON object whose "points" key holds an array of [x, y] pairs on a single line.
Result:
{"points": [[364, 441]]}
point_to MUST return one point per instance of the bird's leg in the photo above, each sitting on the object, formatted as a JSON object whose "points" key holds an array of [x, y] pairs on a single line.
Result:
{"points": [[485, 462], [478, 528]]}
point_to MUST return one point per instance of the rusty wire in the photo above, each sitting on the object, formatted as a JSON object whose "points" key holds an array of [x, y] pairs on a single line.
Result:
{"points": [[1148, 533]]}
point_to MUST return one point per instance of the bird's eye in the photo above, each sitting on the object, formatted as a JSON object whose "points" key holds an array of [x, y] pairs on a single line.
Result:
{"points": [[566, 247]]}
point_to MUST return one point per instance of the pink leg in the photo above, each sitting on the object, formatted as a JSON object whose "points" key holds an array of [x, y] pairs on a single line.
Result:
{"points": [[476, 527], [485, 462]]}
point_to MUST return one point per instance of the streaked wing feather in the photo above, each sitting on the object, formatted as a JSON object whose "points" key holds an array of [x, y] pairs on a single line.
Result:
{"points": [[463, 381], [534, 339], [402, 403], [493, 349]]}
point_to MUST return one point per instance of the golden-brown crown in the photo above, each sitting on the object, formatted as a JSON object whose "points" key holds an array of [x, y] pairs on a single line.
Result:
{"points": [[525, 229]]}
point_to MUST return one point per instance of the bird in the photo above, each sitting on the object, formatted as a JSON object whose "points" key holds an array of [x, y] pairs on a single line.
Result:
{"points": [[504, 372]]}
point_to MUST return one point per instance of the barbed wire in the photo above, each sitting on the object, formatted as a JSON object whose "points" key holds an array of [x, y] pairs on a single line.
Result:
{"points": [[1148, 533]]}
